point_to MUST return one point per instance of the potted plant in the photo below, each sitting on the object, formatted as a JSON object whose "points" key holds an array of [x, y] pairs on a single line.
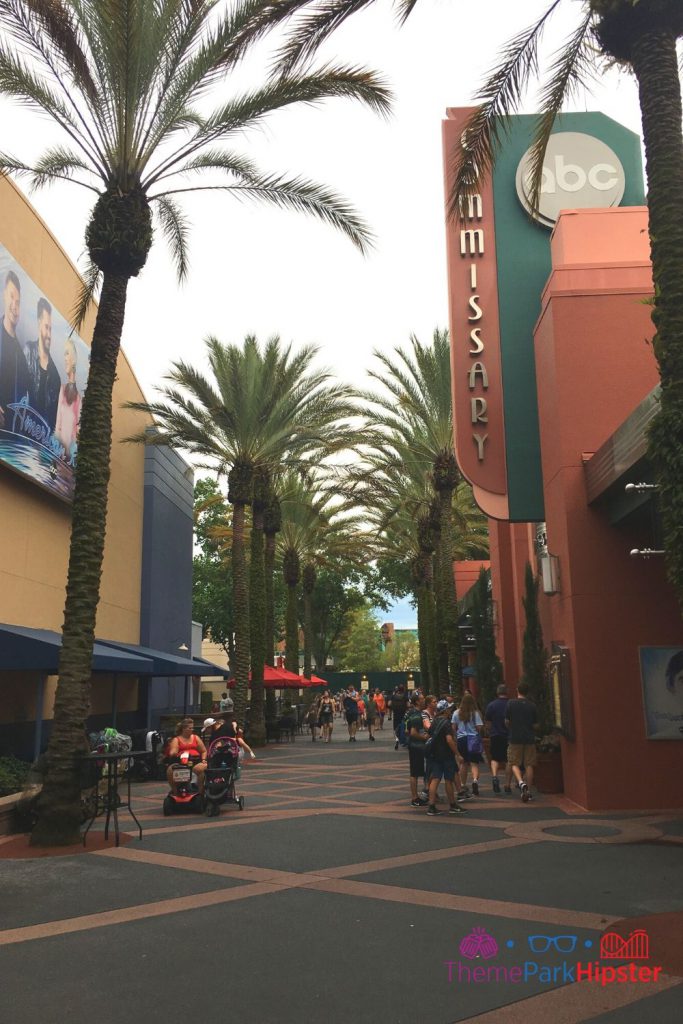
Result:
{"points": [[548, 771]]}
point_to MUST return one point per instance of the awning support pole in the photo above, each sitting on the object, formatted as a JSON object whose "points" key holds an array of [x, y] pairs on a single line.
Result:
{"points": [[114, 688], [185, 698], [148, 723], [38, 734]]}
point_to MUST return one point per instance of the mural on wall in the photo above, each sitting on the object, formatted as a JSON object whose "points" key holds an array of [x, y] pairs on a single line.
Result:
{"points": [[661, 670], [43, 376]]}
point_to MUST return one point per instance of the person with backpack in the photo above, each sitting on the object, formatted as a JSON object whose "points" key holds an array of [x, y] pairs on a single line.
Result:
{"points": [[416, 734], [441, 750], [468, 726], [398, 705], [495, 716], [351, 712]]}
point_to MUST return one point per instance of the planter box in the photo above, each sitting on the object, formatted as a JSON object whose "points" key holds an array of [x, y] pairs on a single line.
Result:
{"points": [[548, 773]]}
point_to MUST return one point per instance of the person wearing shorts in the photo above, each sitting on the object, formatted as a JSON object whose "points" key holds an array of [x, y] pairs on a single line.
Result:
{"points": [[416, 735], [468, 725], [351, 711], [522, 722], [326, 716], [443, 764], [496, 713]]}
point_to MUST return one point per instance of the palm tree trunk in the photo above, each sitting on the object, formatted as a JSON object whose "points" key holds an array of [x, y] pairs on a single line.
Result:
{"points": [[425, 679], [240, 585], [309, 577], [429, 617], [654, 61], [257, 630], [269, 561], [59, 808], [292, 630], [449, 597], [440, 623]]}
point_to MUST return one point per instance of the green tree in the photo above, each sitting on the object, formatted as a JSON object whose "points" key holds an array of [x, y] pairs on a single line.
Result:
{"points": [[212, 571], [534, 654], [129, 83], [337, 593], [263, 408], [360, 648], [488, 665]]}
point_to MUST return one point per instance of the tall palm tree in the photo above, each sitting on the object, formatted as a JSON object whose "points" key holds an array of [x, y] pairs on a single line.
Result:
{"points": [[640, 36], [127, 83], [262, 409], [413, 412]]}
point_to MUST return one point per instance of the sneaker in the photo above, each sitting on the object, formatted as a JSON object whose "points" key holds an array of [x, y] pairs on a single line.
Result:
{"points": [[463, 795], [496, 784], [475, 788], [432, 810], [396, 745], [419, 803], [507, 789], [525, 792], [456, 809]]}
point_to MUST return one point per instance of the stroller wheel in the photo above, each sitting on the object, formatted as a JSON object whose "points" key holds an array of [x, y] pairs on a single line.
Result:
{"points": [[240, 802], [208, 810]]}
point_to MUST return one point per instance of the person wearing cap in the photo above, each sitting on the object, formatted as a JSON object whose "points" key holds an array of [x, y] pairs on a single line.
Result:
{"points": [[443, 764], [207, 730]]}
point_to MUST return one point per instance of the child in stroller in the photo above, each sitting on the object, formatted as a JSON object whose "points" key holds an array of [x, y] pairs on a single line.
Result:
{"points": [[221, 773]]}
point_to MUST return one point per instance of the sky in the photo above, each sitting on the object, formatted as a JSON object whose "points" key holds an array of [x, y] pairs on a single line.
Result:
{"points": [[258, 270]]}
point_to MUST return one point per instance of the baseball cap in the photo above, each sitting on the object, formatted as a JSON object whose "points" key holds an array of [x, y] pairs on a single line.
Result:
{"points": [[443, 705], [208, 722]]}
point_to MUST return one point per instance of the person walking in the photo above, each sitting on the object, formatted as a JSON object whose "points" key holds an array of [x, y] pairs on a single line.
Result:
{"points": [[398, 704], [312, 718], [428, 715], [468, 726], [495, 715], [443, 763], [381, 707], [371, 716], [361, 711], [326, 716], [351, 712], [522, 723], [417, 736]]}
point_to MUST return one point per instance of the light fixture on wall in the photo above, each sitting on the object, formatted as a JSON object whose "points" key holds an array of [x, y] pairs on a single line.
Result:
{"points": [[549, 568], [183, 647], [645, 552], [640, 488]]}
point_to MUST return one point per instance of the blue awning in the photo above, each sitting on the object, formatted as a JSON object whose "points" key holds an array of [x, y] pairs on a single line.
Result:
{"points": [[37, 650], [165, 664]]}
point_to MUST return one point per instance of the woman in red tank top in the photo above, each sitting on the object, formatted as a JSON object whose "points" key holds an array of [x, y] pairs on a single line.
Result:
{"points": [[187, 746]]}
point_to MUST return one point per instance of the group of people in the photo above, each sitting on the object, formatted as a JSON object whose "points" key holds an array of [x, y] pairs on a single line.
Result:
{"points": [[187, 745], [362, 710], [445, 741]]}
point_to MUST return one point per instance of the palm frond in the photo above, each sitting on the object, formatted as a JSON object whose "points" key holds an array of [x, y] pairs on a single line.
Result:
{"points": [[497, 99], [174, 227], [311, 30], [86, 295], [570, 71]]}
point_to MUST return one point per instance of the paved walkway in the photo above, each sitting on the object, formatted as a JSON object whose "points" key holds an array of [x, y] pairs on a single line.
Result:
{"points": [[329, 899]]}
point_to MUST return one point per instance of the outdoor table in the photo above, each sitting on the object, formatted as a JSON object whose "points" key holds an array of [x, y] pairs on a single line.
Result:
{"points": [[110, 801]]}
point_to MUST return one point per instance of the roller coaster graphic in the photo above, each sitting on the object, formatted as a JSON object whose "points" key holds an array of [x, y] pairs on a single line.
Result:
{"points": [[635, 947]]}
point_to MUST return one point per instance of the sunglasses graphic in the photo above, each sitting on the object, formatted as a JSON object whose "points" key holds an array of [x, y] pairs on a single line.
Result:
{"points": [[543, 943]]}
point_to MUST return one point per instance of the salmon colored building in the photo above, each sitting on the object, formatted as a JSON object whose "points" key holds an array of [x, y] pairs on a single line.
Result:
{"points": [[611, 622]]}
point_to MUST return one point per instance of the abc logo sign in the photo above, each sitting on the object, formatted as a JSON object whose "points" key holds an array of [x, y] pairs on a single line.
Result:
{"points": [[579, 172]]}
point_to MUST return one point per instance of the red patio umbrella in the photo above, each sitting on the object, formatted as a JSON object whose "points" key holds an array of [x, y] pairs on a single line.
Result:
{"points": [[317, 681]]}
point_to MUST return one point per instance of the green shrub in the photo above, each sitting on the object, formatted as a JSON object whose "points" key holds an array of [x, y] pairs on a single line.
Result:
{"points": [[13, 775]]}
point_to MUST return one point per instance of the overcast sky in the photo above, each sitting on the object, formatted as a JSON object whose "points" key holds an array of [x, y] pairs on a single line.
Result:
{"points": [[259, 270]]}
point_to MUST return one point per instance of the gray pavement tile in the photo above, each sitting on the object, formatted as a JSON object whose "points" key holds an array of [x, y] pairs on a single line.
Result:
{"points": [[664, 1008], [34, 891], [270, 960], [614, 880], [316, 842]]}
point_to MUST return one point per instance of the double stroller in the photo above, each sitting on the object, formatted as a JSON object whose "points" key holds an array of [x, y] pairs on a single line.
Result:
{"points": [[221, 774]]}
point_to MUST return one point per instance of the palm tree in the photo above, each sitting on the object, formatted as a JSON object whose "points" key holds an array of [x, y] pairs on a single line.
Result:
{"points": [[640, 36], [127, 82], [414, 412], [263, 409]]}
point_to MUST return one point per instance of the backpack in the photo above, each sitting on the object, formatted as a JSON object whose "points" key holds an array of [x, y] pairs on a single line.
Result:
{"points": [[413, 720], [435, 743]]}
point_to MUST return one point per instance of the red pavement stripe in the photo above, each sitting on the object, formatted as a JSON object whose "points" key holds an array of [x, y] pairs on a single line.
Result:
{"points": [[138, 913], [575, 1003], [426, 857], [464, 904]]}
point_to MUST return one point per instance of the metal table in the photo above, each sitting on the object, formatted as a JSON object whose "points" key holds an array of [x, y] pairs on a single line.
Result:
{"points": [[109, 801]]}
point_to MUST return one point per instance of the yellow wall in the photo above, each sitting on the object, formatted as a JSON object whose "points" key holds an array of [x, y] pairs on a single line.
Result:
{"points": [[34, 525]]}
